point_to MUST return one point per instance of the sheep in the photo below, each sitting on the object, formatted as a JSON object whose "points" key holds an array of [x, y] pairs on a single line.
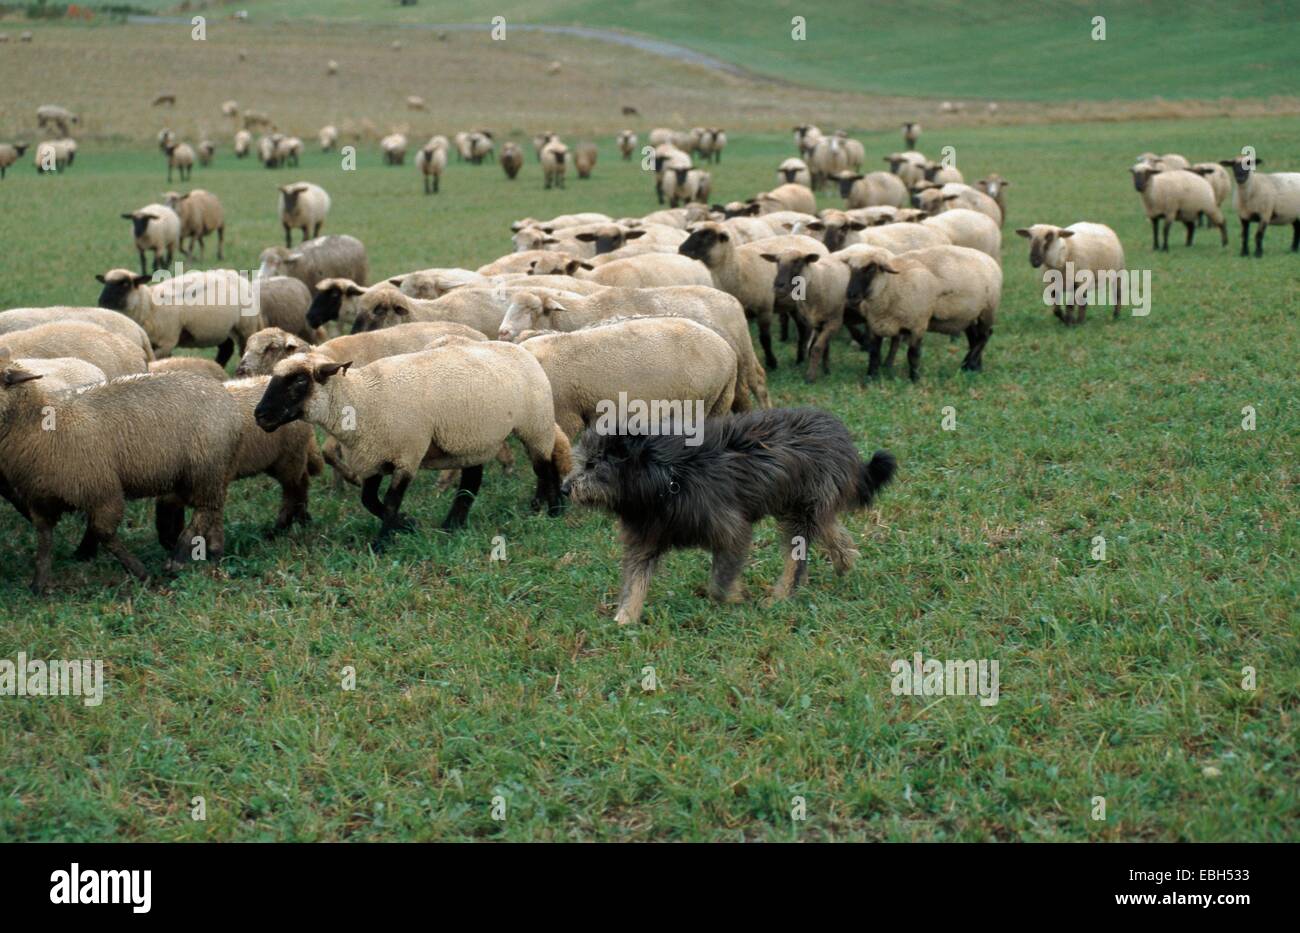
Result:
{"points": [[512, 159], [1169, 161], [879, 214], [946, 289], [111, 321], [584, 159], [995, 186], [660, 136], [289, 455], [965, 227], [332, 68], [554, 156], [908, 166], [911, 133], [303, 206], [871, 190], [174, 435], [243, 142], [207, 150], [1265, 198], [561, 221], [59, 117], [113, 355], [712, 141], [719, 143], [626, 144], [200, 213], [668, 159], [156, 228], [69, 149], [329, 137], [216, 308], [256, 119], [680, 185], [479, 308], [817, 290], [678, 217], [189, 364], [934, 200], [1220, 182], [652, 270], [337, 256], [9, 154], [415, 103], [283, 302], [57, 373], [518, 262], [740, 271], [230, 108], [50, 157], [941, 174], [1091, 250], [836, 230], [287, 150], [794, 172], [434, 283], [449, 406], [481, 146], [393, 147], [270, 345], [431, 161], [1176, 195], [787, 198], [806, 137], [168, 100], [640, 359], [180, 156], [267, 147], [828, 157]]}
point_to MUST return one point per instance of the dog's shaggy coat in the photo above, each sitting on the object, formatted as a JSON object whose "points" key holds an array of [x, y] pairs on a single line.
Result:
{"points": [[799, 465]]}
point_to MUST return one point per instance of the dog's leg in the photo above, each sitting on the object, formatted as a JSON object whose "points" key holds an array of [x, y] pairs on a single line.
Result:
{"points": [[839, 545], [638, 567], [727, 566], [795, 538]]}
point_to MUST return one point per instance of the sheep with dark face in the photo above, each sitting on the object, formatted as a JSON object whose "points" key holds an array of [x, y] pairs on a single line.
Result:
{"points": [[9, 154], [338, 256], [1176, 195], [303, 206], [157, 229], [1264, 198]]}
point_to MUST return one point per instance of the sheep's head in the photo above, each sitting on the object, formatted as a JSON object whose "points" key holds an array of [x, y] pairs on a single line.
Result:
{"points": [[608, 237], [931, 200], [380, 307], [535, 237], [266, 348], [867, 269], [904, 215], [330, 297], [272, 261], [529, 311], [992, 185], [833, 228], [140, 221], [790, 266], [118, 286], [1046, 244], [706, 242], [895, 160], [1241, 167], [294, 382], [289, 195], [1143, 173], [558, 264], [846, 180]]}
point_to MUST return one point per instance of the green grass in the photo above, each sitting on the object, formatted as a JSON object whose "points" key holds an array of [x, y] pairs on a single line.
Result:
{"points": [[999, 49], [477, 679]]}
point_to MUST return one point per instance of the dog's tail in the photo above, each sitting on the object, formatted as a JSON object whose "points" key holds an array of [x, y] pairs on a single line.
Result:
{"points": [[875, 474]]}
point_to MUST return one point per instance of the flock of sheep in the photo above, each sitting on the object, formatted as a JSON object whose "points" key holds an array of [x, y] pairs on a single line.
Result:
{"points": [[442, 366]]}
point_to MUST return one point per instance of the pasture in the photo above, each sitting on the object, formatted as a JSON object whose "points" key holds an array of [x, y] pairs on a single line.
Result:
{"points": [[479, 678]]}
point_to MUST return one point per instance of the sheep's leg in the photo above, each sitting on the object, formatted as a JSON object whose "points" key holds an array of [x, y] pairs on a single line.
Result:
{"points": [[143, 269], [370, 495], [1295, 236], [873, 355], [1165, 246], [1200, 218], [914, 361], [293, 499], [44, 551], [548, 487], [168, 521], [765, 339], [470, 480], [795, 537], [1260, 229], [1191, 230], [972, 341], [221, 241], [288, 236], [893, 351], [436, 180], [785, 326], [1155, 233], [1245, 236], [638, 567], [393, 519], [225, 350], [105, 521]]}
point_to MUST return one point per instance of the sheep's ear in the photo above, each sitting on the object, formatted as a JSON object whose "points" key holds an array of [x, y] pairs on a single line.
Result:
{"points": [[1065, 234], [138, 280], [770, 257], [532, 266], [1021, 231], [586, 237], [586, 265], [553, 305], [293, 257], [633, 234], [811, 257], [353, 290], [132, 216], [401, 310], [817, 225], [724, 237], [1259, 161], [787, 225], [550, 240], [752, 209], [100, 278], [723, 208], [889, 267], [15, 376], [1227, 163], [856, 225], [1006, 184], [396, 281], [951, 197], [325, 370]]}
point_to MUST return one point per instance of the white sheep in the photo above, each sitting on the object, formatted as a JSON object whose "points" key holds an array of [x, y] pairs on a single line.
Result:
{"points": [[431, 161], [1092, 251], [303, 206], [965, 227], [1272, 198], [1176, 194], [156, 228], [871, 190]]}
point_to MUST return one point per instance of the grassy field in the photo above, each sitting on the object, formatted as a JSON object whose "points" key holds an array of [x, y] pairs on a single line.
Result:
{"points": [[478, 679]]}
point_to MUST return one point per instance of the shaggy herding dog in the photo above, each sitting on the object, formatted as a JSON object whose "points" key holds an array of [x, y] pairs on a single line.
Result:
{"points": [[671, 490]]}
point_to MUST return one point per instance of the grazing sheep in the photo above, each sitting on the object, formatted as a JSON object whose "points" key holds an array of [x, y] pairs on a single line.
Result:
{"points": [[329, 138], [786, 198], [584, 159], [934, 200], [639, 359], [58, 117], [1272, 198], [256, 119], [174, 435], [1176, 195], [230, 108], [871, 190], [1091, 250], [837, 230], [946, 289], [113, 355], [518, 263], [385, 306], [995, 186], [216, 308], [431, 160], [243, 142], [200, 213], [180, 156], [267, 151], [651, 270], [415, 103], [156, 229], [554, 158], [327, 257], [331, 68], [965, 227], [908, 166], [303, 206], [269, 346], [450, 406], [198, 365], [626, 144], [794, 172], [393, 147], [512, 159], [287, 150], [50, 157], [207, 150], [911, 133], [9, 154], [111, 321]]}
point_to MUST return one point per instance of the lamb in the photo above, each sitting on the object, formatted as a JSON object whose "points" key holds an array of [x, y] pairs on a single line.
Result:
{"points": [[787, 198], [180, 156], [512, 159], [1264, 198], [646, 359], [200, 213], [269, 346], [908, 166], [189, 364], [964, 227], [111, 321], [446, 407], [946, 289], [741, 272], [816, 289], [303, 206], [1091, 250], [216, 308], [995, 186], [794, 172], [393, 147], [113, 355], [9, 154], [243, 142], [1176, 195], [651, 270], [626, 144], [431, 160], [173, 435], [329, 137], [554, 161], [327, 257], [584, 159], [533, 310], [157, 229]]}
